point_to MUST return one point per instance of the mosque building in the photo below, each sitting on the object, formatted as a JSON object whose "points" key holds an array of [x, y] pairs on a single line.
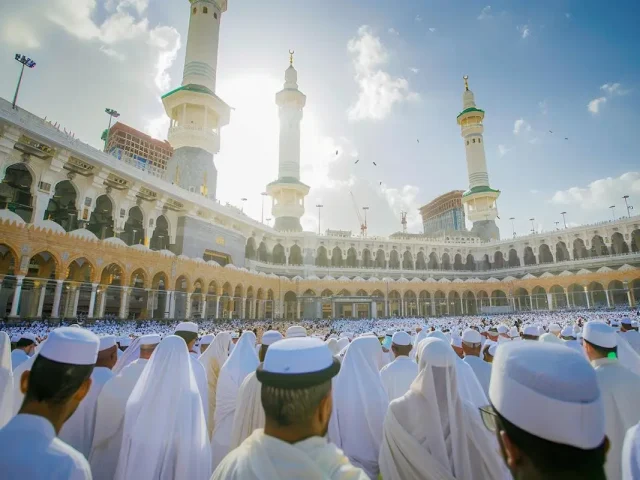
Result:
{"points": [[86, 233]]}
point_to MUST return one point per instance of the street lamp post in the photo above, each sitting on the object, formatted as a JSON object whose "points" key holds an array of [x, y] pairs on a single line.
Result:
{"points": [[319, 206], [557, 223], [264, 194], [243, 200], [613, 212], [629, 207], [365, 219], [26, 62], [513, 227], [564, 219], [112, 114], [533, 228]]}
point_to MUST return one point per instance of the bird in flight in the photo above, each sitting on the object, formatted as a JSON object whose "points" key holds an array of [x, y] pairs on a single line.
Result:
{"points": [[357, 160], [418, 140], [550, 131], [336, 152], [566, 138], [375, 164]]}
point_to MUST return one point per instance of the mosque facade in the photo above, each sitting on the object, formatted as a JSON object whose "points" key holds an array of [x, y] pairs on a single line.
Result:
{"points": [[86, 234]]}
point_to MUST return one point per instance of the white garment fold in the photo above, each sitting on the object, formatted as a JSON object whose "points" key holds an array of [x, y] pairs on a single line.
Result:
{"points": [[242, 361], [212, 360], [249, 415], [262, 457], [6, 380], [398, 375], [165, 433], [359, 405]]}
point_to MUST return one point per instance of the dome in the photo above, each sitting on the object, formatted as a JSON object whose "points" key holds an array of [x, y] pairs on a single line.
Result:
{"points": [[565, 273], [52, 226], [83, 233], [260, 274], [139, 246], [430, 280], [473, 280], [402, 280], [312, 277], [388, 279], [626, 267], [242, 269], [343, 279], [528, 276], [271, 275], [509, 279], [328, 278], [583, 271], [230, 266], [458, 280], [444, 280], [493, 280], [373, 279], [115, 241], [183, 257], [297, 278], [358, 279], [546, 275], [416, 280], [604, 270], [213, 263], [166, 253], [11, 217], [198, 260]]}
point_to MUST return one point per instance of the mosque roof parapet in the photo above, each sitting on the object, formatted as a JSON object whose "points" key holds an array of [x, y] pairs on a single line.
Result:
{"points": [[49, 225], [11, 217]]}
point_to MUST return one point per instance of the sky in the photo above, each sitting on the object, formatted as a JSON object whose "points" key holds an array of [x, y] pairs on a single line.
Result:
{"points": [[384, 84]]}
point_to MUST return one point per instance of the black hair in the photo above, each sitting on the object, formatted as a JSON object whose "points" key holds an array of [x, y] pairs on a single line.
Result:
{"points": [[602, 351], [292, 406], [54, 382], [24, 342], [401, 349], [555, 459], [188, 337]]}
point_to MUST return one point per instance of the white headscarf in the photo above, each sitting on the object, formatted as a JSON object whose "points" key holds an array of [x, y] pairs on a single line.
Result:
{"points": [[213, 359], [129, 355], [359, 405], [165, 434], [431, 433], [242, 361], [332, 343], [6, 380]]}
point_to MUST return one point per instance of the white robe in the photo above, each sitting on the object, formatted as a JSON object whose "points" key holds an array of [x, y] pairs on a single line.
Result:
{"points": [[30, 450], [18, 396], [249, 414], [17, 357], [398, 375], [482, 370], [620, 389], [631, 454], [107, 436], [6, 380], [262, 457], [78, 430], [633, 338], [200, 375]]}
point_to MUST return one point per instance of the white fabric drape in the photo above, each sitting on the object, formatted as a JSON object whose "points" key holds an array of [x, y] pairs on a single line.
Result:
{"points": [[359, 405], [212, 360], [165, 433], [131, 354], [6, 380], [431, 433], [18, 396], [249, 415], [332, 343], [242, 361]]}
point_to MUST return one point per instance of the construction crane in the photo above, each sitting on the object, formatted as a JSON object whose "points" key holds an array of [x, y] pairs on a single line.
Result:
{"points": [[404, 221], [363, 225]]}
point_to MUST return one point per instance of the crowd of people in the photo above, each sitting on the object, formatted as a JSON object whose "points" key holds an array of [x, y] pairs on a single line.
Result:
{"points": [[526, 396]]}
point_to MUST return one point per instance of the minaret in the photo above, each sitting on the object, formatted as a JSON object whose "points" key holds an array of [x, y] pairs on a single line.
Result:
{"points": [[288, 191], [196, 113], [480, 200]]}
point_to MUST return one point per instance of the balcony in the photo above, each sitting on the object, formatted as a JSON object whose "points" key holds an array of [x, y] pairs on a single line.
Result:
{"points": [[194, 136]]}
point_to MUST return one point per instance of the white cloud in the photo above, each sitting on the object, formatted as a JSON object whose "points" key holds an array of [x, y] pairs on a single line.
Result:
{"points": [[414, 69], [594, 105], [378, 90], [600, 194], [521, 125], [432, 29], [20, 33], [533, 140], [110, 52], [139, 5], [166, 41], [544, 107], [503, 150], [533, 191], [614, 89], [404, 199], [418, 18], [485, 13], [524, 30], [393, 31], [568, 15], [157, 127]]}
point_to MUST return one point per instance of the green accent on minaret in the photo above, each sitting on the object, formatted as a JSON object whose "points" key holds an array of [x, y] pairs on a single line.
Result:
{"points": [[192, 87], [288, 180], [480, 189], [470, 109]]}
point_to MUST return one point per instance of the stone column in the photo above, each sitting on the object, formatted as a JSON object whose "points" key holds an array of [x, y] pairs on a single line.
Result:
{"points": [[531, 302], [151, 303], [254, 304], [43, 292], [374, 310], [187, 307], [102, 302], [217, 306], [606, 293], [76, 299], [172, 304], [586, 295], [92, 300], [550, 300], [353, 311], [16, 297], [203, 310], [461, 306], [333, 309], [566, 294], [490, 301], [433, 308], [298, 310], [629, 294], [55, 311], [124, 299], [167, 303]]}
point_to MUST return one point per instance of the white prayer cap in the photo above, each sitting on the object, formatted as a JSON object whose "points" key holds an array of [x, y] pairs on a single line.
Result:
{"points": [[568, 332], [513, 333], [401, 338], [296, 331], [626, 321], [151, 339], [389, 333], [456, 341], [502, 329], [554, 328], [634, 324], [75, 346], [187, 327], [74, 325], [492, 349], [471, 336], [15, 338], [270, 337], [549, 338], [28, 336], [600, 334], [526, 376], [531, 330], [297, 363], [125, 341], [234, 335], [207, 339], [106, 342]]}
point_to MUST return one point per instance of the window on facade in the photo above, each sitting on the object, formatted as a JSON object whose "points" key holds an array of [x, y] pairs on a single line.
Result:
{"points": [[195, 10], [478, 140], [205, 10], [473, 141], [215, 15]]}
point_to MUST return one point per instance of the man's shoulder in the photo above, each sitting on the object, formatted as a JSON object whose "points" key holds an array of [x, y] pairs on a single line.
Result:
{"points": [[76, 460]]}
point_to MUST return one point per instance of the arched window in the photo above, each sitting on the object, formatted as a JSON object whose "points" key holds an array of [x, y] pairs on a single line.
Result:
{"points": [[195, 10], [205, 10], [215, 15], [473, 141], [479, 141]]}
